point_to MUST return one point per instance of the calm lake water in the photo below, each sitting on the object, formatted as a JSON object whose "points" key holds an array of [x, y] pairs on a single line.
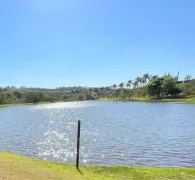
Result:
{"points": [[112, 133]]}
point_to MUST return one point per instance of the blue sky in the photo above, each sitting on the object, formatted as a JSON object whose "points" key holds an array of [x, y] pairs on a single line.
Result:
{"points": [[49, 43]]}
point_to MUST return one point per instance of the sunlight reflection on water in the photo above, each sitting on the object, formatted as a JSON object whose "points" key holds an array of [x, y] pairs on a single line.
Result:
{"points": [[59, 139], [62, 105], [112, 133]]}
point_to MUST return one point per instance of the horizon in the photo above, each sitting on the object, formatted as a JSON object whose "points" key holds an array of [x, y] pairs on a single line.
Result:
{"points": [[51, 44]]}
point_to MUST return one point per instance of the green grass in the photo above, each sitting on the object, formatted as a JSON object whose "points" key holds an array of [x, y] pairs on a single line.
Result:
{"points": [[15, 167], [21, 104], [177, 99]]}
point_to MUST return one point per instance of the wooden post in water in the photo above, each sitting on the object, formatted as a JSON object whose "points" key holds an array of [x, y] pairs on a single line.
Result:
{"points": [[78, 143]]}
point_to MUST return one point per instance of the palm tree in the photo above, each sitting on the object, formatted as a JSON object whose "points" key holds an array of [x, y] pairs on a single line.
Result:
{"points": [[129, 83], [121, 85], [135, 84], [146, 77], [139, 81], [114, 86], [128, 91], [188, 78], [143, 81]]}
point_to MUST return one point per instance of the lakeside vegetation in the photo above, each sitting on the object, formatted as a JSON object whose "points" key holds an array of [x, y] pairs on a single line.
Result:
{"points": [[14, 96], [152, 88], [18, 167], [178, 99], [147, 88], [21, 104]]}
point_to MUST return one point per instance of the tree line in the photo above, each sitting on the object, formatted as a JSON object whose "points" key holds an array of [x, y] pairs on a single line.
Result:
{"points": [[14, 96], [153, 86], [144, 86]]}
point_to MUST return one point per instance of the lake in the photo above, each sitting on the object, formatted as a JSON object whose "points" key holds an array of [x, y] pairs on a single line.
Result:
{"points": [[112, 133]]}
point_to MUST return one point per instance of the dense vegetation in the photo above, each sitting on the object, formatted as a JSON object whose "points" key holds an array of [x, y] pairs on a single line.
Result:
{"points": [[147, 86], [152, 86], [21, 95]]}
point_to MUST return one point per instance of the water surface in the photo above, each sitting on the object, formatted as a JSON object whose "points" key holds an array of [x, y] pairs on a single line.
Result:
{"points": [[113, 133]]}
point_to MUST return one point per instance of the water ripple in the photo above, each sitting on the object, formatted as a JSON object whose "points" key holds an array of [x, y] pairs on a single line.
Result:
{"points": [[112, 133]]}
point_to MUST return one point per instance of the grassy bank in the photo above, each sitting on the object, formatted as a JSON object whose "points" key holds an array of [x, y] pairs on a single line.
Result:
{"points": [[16, 167], [19, 104], [148, 99], [23, 104]]}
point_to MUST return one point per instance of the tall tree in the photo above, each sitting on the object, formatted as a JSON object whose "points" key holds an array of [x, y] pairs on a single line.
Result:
{"points": [[114, 86], [138, 80], [188, 78], [121, 85], [128, 91], [143, 81], [146, 78], [135, 84], [188, 88], [170, 86], [129, 83], [177, 77], [117, 93], [155, 87]]}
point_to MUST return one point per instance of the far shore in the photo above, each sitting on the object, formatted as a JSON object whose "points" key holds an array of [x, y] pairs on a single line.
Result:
{"points": [[23, 104], [187, 100]]}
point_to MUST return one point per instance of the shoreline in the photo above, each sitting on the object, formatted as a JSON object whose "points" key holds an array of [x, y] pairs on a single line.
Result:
{"points": [[23, 104], [14, 166], [178, 101], [186, 100]]}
